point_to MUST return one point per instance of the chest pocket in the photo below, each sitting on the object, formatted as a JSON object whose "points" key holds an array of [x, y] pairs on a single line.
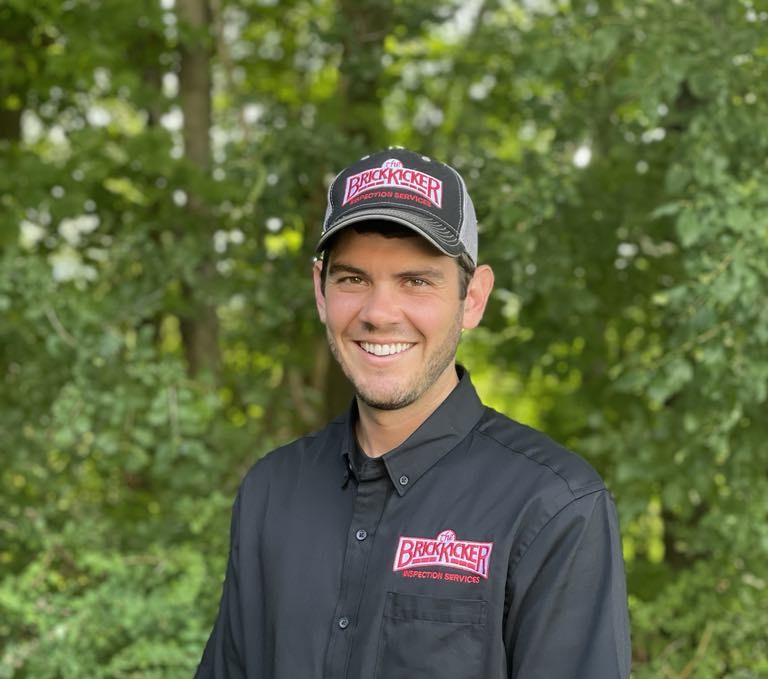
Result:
{"points": [[426, 637]]}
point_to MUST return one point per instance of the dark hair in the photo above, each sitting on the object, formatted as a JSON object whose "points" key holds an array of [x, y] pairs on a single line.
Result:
{"points": [[394, 230]]}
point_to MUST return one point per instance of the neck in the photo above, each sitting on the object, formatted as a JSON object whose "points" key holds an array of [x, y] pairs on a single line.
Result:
{"points": [[379, 431]]}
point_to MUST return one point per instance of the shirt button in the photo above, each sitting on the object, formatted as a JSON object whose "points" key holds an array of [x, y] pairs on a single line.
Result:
{"points": [[344, 622], [403, 480], [361, 534]]}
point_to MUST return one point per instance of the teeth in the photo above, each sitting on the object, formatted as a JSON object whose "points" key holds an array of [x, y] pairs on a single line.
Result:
{"points": [[385, 349]]}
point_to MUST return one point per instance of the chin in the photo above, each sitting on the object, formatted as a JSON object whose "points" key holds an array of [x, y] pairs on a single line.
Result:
{"points": [[389, 404], [385, 400]]}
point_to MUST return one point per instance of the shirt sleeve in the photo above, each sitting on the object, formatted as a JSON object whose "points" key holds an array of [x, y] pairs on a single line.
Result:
{"points": [[568, 615], [222, 657]]}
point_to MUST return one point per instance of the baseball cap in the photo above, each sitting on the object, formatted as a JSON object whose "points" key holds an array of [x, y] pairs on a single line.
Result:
{"points": [[404, 187]]}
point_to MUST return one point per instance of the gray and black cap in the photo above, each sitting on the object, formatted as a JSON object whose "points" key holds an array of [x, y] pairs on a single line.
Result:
{"points": [[407, 188]]}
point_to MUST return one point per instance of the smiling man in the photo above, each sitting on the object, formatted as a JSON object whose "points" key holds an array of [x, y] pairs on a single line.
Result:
{"points": [[421, 534]]}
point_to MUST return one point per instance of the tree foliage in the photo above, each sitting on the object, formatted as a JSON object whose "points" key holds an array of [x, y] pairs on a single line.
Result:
{"points": [[158, 332]]}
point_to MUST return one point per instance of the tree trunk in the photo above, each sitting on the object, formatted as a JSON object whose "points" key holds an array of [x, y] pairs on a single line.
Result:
{"points": [[199, 323], [363, 27], [10, 124], [15, 30]]}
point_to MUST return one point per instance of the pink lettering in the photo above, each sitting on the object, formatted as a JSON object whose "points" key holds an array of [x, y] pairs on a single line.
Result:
{"points": [[446, 550], [404, 553]]}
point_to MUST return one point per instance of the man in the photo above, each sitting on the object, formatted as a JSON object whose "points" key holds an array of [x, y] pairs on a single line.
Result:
{"points": [[421, 534]]}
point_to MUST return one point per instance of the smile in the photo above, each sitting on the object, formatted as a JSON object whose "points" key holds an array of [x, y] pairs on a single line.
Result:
{"points": [[385, 349]]}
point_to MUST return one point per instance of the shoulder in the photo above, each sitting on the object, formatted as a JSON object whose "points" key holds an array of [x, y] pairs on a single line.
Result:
{"points": [[517, 449], [545, 488], [284, 463]]}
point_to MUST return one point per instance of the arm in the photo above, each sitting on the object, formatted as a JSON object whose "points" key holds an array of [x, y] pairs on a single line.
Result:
{"points": [[222, 658], [568, 613]]}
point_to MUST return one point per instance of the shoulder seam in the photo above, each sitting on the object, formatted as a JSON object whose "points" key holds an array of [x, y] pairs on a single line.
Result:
{"points": [[541, 530], [579, 492]]}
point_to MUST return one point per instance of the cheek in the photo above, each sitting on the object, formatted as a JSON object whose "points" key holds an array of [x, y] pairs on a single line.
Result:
{"points": [[431, 318], [341, 310]]}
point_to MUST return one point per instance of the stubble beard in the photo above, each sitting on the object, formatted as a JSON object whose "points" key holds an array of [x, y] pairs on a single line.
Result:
{"points": [[407, 393]]}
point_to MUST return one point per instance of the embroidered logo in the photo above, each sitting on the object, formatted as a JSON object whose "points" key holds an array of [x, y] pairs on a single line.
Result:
{"points": [[392, 174], [445, 550]]}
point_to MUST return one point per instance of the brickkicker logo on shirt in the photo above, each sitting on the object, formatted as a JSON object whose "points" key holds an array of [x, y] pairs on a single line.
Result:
{"points": [[392, 174], [445, 550]]}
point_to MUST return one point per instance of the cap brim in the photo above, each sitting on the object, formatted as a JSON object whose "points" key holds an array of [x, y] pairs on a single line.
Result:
{"points": [[433, 230]]}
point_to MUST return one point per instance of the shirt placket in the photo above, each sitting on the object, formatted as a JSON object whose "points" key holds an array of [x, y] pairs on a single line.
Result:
{"points": [[371, 495]]}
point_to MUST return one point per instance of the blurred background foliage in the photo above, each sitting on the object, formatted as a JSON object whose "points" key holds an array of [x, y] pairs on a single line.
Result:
{"points": [[163, 168]]}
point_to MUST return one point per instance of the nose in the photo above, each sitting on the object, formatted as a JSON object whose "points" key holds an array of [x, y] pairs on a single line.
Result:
{"points": [[380, 307]]}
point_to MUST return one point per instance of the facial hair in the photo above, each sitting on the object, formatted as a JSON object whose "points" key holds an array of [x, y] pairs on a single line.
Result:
{"points": [[406, 394]]}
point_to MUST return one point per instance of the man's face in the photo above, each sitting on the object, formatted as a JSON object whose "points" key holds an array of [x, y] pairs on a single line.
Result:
{"points": [[393, 317]]}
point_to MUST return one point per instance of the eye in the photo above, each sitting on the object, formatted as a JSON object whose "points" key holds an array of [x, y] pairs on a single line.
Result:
{"points": [[418, 282], [350, 280]]}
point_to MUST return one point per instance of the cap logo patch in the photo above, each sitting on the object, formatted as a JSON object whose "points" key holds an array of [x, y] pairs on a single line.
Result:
{"points": [[392, 174], [445, 550]]}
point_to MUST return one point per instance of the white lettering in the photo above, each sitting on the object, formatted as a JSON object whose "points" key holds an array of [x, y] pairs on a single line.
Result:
{"points": [[394, 177]]}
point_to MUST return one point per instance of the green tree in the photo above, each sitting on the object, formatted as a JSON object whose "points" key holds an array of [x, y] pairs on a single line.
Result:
{"points": [[157, 224]]}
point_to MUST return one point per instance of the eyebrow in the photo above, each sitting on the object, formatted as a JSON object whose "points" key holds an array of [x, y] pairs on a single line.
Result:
{"points": [[345, 268], [428, 272]]}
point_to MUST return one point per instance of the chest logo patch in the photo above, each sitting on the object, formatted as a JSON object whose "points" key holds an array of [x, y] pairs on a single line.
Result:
{"points": [[444, 550]]}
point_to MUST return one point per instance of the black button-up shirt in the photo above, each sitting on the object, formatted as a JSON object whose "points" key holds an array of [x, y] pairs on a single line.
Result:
{"points": [[477, 549]]}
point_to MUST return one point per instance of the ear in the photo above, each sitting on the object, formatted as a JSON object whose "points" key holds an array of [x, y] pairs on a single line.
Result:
{"points": [[319, 294], [478, 291]]}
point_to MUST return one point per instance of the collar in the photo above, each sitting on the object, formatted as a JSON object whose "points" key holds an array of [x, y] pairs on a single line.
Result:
{"points": [[440, 433]]}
